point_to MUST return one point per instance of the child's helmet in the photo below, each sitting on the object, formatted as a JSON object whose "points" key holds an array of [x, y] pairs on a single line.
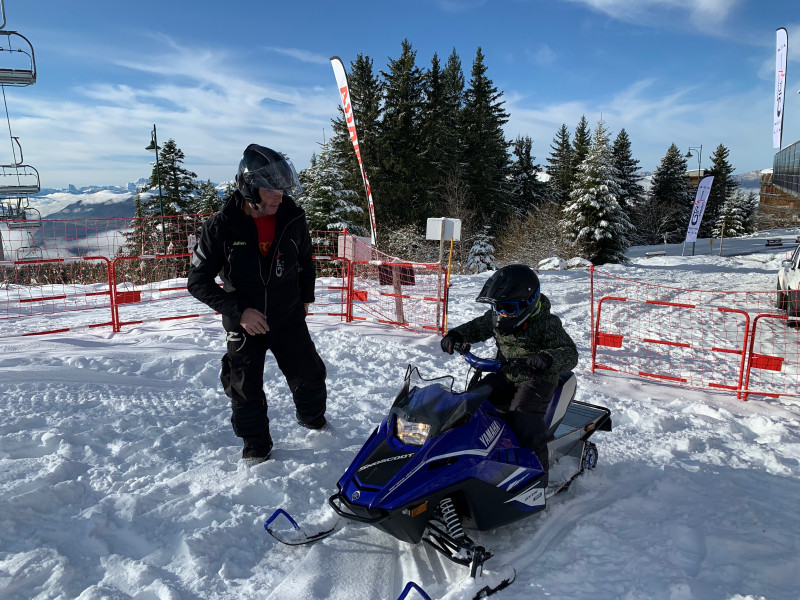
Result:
{"points": [[262, 167], [513, 292]]}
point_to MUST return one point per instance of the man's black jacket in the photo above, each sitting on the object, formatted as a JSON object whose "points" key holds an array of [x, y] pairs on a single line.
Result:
{"points": [[278, 285]]}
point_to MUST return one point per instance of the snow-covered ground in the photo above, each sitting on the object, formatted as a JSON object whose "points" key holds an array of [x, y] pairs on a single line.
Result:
{"points": [[120, 475]]}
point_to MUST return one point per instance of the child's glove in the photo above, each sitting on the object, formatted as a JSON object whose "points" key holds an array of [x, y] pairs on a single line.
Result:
{"points": [[539, 362], [449, 341]]}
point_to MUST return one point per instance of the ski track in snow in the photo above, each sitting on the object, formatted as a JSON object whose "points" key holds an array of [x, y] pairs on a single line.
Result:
{"points": [[120, 478]]}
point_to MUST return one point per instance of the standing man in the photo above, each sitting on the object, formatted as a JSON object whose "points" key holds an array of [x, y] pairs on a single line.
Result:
{"points": [[260, 247]]}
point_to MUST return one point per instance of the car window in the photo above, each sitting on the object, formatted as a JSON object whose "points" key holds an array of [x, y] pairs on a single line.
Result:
{"points": [[796, 257]]}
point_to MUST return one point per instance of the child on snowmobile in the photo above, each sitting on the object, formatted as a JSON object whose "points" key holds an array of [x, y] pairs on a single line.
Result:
{"points": [[531, 342]]}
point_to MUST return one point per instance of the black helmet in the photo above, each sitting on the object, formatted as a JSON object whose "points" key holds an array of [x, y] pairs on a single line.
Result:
{"points": [[262, 167], [513, 292]]}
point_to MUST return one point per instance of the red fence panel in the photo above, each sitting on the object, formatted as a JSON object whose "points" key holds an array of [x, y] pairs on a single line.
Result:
{"points": [[143, 260], [737, 341], [54, 295]]}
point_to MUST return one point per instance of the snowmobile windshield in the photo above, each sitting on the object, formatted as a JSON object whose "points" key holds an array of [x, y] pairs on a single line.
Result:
{"points": [[436, 404]]}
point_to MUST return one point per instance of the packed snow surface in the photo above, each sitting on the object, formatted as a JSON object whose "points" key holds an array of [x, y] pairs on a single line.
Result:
{"points": [[120, 476]]}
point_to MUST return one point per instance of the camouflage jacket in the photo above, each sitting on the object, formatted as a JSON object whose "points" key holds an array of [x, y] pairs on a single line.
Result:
{"points": [[542, 332]]}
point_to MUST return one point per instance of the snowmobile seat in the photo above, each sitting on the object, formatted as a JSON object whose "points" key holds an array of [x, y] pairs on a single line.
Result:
{"points": [[562, 396]]}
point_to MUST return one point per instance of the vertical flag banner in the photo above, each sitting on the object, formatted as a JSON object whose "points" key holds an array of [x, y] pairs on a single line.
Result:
{"points": [[782, 48], [699, 208], [349, 117]]}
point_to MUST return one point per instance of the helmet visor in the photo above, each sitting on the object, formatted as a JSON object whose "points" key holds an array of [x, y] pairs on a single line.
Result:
{"points": [[278, 176], [515, 307]]}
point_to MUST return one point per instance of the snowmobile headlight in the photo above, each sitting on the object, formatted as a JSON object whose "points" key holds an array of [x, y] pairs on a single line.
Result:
{"points": [[412, 434]]}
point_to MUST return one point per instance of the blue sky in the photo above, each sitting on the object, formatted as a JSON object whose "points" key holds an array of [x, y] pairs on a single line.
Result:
{"points": [[216, 76]]}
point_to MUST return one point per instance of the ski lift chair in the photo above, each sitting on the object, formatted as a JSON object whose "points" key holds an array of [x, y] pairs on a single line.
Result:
{"points": [[22, 70]]}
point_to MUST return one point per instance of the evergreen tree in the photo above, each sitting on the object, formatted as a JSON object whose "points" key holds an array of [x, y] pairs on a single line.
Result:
{"points": [[481, 255], [560, 167], [485, 148], [143, 237], [441, 150], [402, 169], [581, 143], [178, 184], [750, 216], [525, 187], [177, 197], [664, 215], [329, 206], [208, 198], [594, 219], [730, 221], [722, 190], [627, 168]]}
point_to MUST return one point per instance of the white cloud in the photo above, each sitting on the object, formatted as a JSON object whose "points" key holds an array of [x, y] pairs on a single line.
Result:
{"points": [[207, 100], [301, 55], [652, 12], [654, 121]]}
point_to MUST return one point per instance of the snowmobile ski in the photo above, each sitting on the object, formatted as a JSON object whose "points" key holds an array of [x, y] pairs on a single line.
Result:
{"points": [[296, 536], [470, 589], [411, 585]]}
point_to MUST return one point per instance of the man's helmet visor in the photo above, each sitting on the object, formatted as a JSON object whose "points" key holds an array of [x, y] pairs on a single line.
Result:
{"points": [[274, 176]]}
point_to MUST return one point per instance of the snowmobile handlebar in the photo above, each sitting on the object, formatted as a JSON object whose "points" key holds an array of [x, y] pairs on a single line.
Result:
{"points": [[490, 365]]}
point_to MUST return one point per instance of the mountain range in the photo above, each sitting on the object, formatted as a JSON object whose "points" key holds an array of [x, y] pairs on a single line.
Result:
{"points": [[107, 202]]}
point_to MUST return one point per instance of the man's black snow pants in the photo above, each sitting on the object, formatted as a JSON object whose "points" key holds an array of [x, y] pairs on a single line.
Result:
{"points": [[243, 378], [526, 403]]}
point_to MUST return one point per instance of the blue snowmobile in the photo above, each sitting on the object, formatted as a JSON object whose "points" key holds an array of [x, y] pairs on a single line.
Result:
{"points": [[442, 461]]}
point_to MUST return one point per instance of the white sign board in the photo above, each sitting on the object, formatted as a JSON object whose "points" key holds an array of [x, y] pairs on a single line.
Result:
{"points": [[452, 229], [354, 248]]}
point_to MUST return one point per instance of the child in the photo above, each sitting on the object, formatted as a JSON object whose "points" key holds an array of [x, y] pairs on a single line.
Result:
{"points": [[531, 342]]}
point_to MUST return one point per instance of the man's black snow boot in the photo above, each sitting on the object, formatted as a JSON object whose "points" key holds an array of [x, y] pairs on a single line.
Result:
{"points": [[256, 450], [315, 423]]}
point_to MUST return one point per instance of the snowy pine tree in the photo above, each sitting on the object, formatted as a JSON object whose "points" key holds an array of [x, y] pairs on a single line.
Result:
{"points": [[481, 255], [730, 220], [750, 215], [628, 168], [594, 219], [208, 198], [524, 184], [664, 214], [559, 167], [328, 204]]}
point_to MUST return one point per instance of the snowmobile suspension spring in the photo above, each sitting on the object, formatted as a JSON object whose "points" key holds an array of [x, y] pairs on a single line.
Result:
{"points": [[450, 518]]}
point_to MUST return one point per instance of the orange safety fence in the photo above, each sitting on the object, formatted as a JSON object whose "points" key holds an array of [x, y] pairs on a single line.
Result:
{"points": [[63, 275], [738, 341]]}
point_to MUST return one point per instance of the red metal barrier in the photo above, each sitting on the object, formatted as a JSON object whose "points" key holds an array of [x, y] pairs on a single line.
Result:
{"points": [[51, 287], [773, 362], [696, 338], [51, 295]]}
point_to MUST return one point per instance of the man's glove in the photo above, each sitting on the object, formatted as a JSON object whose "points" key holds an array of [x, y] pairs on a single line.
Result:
{"points": [[449, 341], [539, 362]]}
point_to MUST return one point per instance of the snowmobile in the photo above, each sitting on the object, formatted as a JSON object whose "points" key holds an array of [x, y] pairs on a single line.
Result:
{"points": [[442, 462]]}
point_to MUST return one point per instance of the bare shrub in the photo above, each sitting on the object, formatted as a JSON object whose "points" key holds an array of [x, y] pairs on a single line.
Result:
{"points": [[534, 238]]}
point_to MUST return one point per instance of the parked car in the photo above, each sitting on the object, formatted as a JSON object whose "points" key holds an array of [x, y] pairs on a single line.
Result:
{"points": [[789, 285]]}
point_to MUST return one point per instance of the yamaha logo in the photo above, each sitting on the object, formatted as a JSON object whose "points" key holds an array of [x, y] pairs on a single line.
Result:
{"points": [[356, 495]]}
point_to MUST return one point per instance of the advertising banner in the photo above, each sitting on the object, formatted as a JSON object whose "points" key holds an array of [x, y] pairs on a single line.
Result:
{"points": [[699, 208], [782, 48], [349, 117]]}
